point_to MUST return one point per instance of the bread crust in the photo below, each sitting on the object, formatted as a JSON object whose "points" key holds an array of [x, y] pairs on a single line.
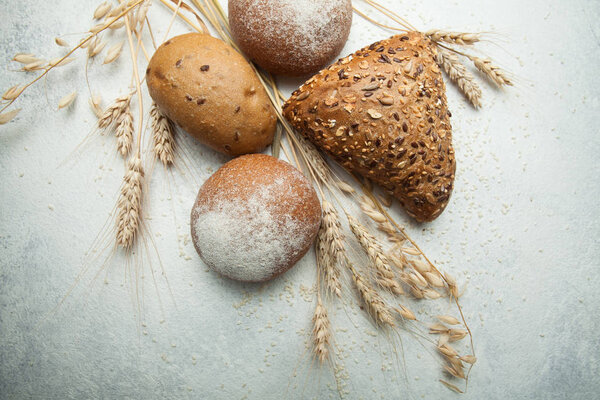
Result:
{"points": [[284, 43], [382, 113], [283, 192], [211, 91]]}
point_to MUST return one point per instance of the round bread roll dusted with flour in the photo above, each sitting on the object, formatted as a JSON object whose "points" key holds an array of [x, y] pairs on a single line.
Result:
{"points": [[212, 92], [291, 37], [255, 218]]}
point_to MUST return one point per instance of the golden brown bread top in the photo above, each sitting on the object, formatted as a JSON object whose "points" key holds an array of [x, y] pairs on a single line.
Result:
{"points": [[211, 91], [382, 113]]}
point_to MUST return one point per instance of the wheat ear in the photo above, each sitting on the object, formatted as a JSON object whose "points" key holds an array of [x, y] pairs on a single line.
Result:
{"points": [[376, 308], [321, 331], [111, 115], [491, 71], [314, 158], [378, 259], [130, 203], [124, 131], [459, 75], [163, 136], [330, 248], [459, 38]]}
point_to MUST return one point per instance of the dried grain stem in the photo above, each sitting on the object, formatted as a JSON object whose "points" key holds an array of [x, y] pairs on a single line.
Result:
{"points": [[137, 82]]}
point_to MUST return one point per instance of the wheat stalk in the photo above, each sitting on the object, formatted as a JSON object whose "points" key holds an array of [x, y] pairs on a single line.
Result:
{"points": [[124, 131], [130, 203], [163, 136], [321, 331], [491, 71], [459, 74], [376, 308], [459, 38]]}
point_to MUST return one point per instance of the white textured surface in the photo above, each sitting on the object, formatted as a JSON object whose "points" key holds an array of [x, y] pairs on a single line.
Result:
{"points": [[521, 230]]}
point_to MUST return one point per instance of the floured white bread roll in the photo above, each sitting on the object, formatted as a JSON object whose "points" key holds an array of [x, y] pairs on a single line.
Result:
{"points": [[255, 218]]}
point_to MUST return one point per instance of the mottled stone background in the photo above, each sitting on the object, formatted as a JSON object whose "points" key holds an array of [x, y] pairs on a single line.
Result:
{"points": [[521, 231]]}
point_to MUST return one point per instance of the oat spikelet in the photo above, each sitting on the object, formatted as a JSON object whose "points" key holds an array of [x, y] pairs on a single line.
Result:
{"points": [[113, 53], [117, 10], [383, 224], [124, 132], [61, 42], [60, 61], [8, 116], [491, 71], [67, 100], [377, 309], [34, 66], [12, 93], [458, 74], [378, 259], [451, 386], [459, 38], [130, 203], [142, 11], [321, 331], [113, 112], [25, 58], [95, 104], [102, 10], [163, 136]]}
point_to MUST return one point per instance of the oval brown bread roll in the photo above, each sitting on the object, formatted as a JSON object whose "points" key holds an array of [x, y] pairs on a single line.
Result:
{"points": [[211, 91], [382, 113], [255, 218], [291, 37]]}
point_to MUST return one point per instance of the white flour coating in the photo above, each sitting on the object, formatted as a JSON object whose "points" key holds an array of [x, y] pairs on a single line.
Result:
{"points": [[245, 240], [310, 21]]}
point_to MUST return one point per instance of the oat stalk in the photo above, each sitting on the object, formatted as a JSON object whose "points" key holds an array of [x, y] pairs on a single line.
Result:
{"points": [[82, 44]]}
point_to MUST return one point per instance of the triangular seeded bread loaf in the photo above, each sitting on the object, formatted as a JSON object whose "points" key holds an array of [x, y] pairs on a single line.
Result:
{"points": [[382, 113]]}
